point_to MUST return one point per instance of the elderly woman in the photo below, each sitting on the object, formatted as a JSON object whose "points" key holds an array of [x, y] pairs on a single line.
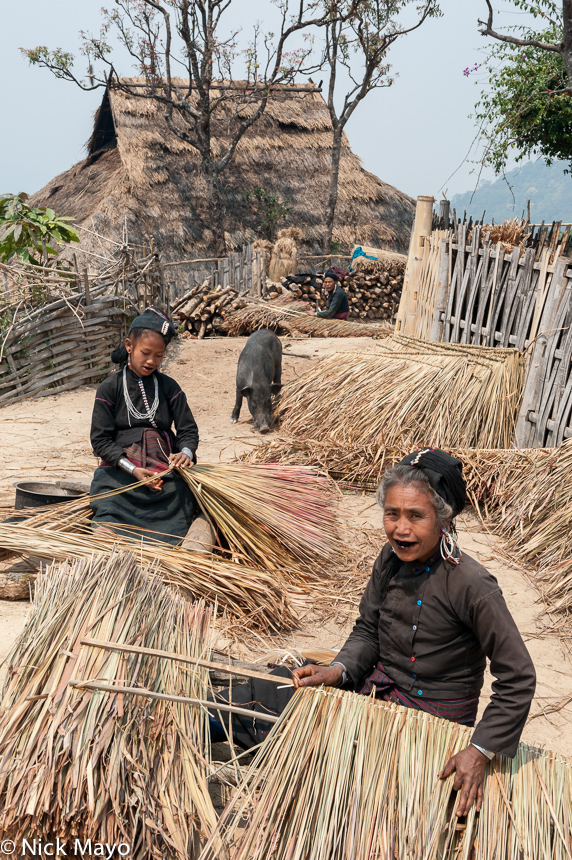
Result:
{"points": [[338, 307], [429, 617]]}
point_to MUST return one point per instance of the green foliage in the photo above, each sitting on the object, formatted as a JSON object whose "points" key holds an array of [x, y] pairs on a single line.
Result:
{"points": [[27, 231], [525, 111], [274, 210]]}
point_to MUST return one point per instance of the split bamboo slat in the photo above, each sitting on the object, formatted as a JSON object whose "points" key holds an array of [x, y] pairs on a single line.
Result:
{"points": [[343, 775]]}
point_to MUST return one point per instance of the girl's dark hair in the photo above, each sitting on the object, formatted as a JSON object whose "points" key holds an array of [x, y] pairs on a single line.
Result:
{"points": [[120, 354]]}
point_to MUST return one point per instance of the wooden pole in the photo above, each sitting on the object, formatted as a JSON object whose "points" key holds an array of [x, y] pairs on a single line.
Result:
{"points": [[86, 286], [184, 700], [421, 229], [182, 658]]}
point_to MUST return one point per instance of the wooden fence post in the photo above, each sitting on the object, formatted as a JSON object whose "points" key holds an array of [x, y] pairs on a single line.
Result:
{"points": [[421, 229]]}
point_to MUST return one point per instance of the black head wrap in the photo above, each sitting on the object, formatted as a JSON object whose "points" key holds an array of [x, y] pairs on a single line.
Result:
{"points": [[444, 473], [329, 273], [152, 320]]}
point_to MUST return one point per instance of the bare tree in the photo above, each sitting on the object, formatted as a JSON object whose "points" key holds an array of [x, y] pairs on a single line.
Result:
{"points": [[549, 11], [204, 106], [356, 44]]}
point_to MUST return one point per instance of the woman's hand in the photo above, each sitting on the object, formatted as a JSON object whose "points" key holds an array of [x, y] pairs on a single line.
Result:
{"points": [[313, 676], [469, 766], [181, 459], [311, 313], [141, 474]]}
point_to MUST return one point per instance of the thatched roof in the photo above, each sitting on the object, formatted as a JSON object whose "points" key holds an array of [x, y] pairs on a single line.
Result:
{"points": [[140, 175]]}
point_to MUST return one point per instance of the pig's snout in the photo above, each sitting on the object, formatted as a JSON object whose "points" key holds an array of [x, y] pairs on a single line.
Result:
{"points": [[264, 428]]}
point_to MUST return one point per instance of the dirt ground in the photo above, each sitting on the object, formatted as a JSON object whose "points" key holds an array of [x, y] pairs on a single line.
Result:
{"points": [[48, 439]]}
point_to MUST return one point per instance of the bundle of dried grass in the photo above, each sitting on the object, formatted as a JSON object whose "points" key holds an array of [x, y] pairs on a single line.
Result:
{"points": [[108, 767], [253, 508], [284, 259], [487, 473], [285, 316], [385, 261], [511, 233], [240, 589], [342, 775], [409, 393]]}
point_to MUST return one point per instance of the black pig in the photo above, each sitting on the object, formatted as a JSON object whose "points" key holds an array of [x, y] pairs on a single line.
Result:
{"points": [[258, 377]]}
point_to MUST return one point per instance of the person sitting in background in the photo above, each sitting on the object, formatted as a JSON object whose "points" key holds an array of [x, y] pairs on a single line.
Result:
{"points": [[338, 305]]}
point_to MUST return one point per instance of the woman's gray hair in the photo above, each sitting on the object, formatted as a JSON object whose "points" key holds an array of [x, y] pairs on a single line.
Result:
{"points": [[405, 476]]}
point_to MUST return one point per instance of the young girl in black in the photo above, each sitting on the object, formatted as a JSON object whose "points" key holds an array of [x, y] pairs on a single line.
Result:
{"points": [[131, 432]]}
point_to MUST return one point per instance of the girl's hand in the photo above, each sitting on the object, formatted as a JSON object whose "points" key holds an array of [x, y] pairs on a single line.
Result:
{"points": [[180, 459], [141, 474]]}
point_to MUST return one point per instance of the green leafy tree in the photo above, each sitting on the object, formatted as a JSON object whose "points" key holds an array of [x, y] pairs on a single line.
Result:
{"points": [[274, 210], [527, 109], [28, 232]]}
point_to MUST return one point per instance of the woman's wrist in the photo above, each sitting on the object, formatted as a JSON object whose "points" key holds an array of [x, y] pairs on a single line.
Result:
{"points": [[126, 465]]}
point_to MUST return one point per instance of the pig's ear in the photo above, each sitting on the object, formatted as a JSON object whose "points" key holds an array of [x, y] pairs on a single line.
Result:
{"points": [[275, 387], [246, 391]]}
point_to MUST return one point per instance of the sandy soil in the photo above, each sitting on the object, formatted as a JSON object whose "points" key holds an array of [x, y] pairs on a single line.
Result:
{"points": [[49, 438]]}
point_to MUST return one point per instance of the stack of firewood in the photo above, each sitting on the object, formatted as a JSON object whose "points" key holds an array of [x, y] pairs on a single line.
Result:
{"points": [[203, 310], [371, 295]]}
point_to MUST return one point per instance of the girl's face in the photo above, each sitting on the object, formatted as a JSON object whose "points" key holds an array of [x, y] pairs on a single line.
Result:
{"points": [[146, 353]]}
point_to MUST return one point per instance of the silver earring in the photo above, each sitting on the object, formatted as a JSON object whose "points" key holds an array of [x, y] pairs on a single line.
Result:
{"points": [[449, 548]]}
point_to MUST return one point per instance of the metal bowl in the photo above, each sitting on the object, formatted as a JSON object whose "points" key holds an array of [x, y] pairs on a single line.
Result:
{"points": [[34, 494]]}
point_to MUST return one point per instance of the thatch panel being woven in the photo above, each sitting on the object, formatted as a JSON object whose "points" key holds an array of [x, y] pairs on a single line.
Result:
{"points": [[142, 176]]}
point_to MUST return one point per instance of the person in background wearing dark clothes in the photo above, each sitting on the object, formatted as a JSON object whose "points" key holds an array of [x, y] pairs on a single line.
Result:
{"points": [[131, 432], [429, 618], [338, 305]]}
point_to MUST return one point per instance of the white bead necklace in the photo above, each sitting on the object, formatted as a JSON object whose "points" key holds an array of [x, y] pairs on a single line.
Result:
{"points": [[149, 415]]}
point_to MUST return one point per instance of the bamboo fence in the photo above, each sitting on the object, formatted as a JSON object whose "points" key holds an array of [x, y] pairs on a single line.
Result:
{"points": [[471, 284], [343, 775], [57, 327]]}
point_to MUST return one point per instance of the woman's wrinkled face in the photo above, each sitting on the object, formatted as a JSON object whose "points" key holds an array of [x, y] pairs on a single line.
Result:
{"points": [[410, 522], [146, 353], [329, 284]]}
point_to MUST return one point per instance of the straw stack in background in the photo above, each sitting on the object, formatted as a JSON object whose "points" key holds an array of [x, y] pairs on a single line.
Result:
{"points": [[287, 316], [109, 767], [342, 775], [408, 392]]}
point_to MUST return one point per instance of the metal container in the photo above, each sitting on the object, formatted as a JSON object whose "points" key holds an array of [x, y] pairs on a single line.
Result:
{"points": [[34, 494]]}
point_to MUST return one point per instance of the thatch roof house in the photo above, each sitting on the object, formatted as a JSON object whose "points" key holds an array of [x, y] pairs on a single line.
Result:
{"points": [[139, 177]]}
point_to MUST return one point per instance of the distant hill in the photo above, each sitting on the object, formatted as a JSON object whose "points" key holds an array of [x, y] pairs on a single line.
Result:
{"points": [[548, 188]]}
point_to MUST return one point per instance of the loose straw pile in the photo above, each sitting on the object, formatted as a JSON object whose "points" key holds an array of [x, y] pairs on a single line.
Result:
{"points": [[408, 392], [238, 588], [344, 776], [108, 767]]}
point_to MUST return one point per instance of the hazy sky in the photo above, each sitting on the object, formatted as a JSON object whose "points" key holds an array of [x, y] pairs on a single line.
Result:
{"points": [[414, 134]]}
